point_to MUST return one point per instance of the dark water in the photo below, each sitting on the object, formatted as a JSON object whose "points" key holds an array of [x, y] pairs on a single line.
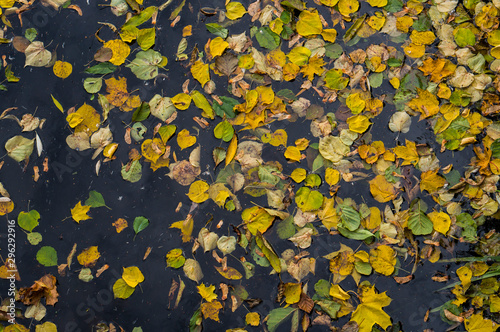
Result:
{"points": [[71, 176]]}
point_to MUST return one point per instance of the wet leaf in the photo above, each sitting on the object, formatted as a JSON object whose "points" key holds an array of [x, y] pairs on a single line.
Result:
{"points": [[132, 172], [28, 220], [79, 212], [46, 327], [234, 10], [122, 290], [383, 259], [278, 316], [207, 293], [308, 200], [95, 199], [89, 256], [62, 69], [19, 148], [140, 223], [132, 276], [382, 190], [120, 51], [175, 258], [198, 191], [192, 270], [47, 256], [369, 312], [231, 273], [37, 55], [252, 318], [146, 63]]}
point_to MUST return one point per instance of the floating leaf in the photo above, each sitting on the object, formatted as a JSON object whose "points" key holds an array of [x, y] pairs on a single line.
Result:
{"points": [[47, 256], [308, 200], [146, 63], [95, 199], [140, 223], [122, 290], [19, 148], [89, 256], [278, 316], [79, 212], [230, 273], [369, 312], [132, 276], [37, 55], [28, 220], [192, 270]]}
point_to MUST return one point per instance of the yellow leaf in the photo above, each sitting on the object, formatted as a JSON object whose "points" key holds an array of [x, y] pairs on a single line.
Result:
{"points": [[79, 212], [355, 103], [89, 256], [358, 123], [198, 191], [74, 119], [338, 293], [6, 205], [415, 51], [315, 66], [211, 310], [348, 7], [299, 55], [91, 119], [7, 3], [231, 150], [369, 312], [395, 82], [120, 51], [186, 227], [257, 219], [235, 10], [185, 140], [252, 318], [187, 31], [279, 137], [441, 221], [292, 153], [132, 276], [201, 72], [329, 35], [62, 69], [374, 220], [218, 46], [383, 259], [207, 293], [120, 224], [477, 323], [45, 327], [332, 176], [377, 21], [342, 263], [464, 273], [329, 3], [292, 292], [309, 23], [377, 3], [121, 290], [230, 273], [152, 149], [404, 23], [422, 37], [290, 71], [298, 175], [408, 153], [301, 143], [431, 181], [382, 190], [437, 69], [181, 101], [117, 91]]}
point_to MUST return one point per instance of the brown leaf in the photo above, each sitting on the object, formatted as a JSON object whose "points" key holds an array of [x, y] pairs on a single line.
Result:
{"points": [[226, 63], [45, 287], [306, 303], [20, 43], [403, 280], [103, 54]]}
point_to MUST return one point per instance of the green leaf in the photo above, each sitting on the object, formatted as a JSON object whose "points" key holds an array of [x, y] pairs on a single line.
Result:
{"points": [[217, 30], [376, 80], [96, 200], [286, 228], [268, 251], [141, 113], [146, 38], [419, 223], [19, 148], [140, 223], [278, 316], [322, 288], [30, 34], [121, 290], [464, 37], [137, 329], [358, 234], [267, 38], [47, 256], [308, 200], [101, 69], [224, 130], [330, 307], [334, 79], [195, 321], [394, 6], [350, 217], [92, 84], [144, 16], [28, 220], [34, 238], [145, 65], [132, 172], [226, 108]]}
